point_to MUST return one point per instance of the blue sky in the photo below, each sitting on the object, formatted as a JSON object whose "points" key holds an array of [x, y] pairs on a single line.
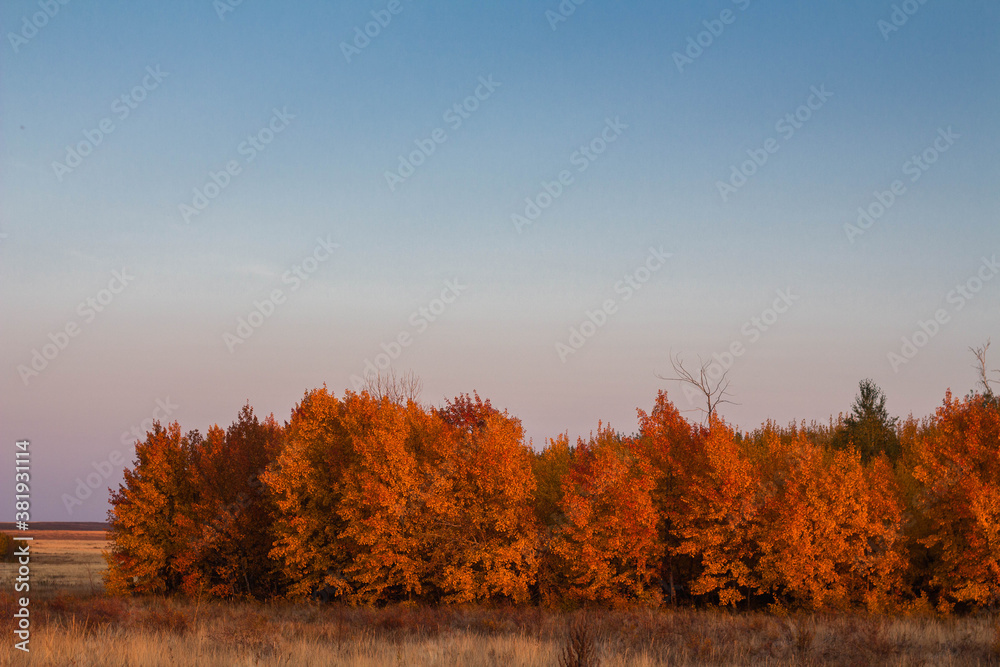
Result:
{"points": [[345, 124]]}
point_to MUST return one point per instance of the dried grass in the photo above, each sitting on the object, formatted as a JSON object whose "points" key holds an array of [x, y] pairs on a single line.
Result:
{"points": [[139, 632]]}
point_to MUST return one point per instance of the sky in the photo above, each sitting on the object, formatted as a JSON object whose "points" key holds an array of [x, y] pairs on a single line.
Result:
{"points": [[539, 201]]}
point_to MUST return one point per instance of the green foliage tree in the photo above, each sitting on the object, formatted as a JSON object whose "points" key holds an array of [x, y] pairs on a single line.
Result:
{"points": [[869, 428]]}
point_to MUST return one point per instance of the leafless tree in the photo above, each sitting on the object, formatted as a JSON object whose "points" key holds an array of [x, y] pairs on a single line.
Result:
{"points": [[981, 367], [398, 389], [714, 390]]}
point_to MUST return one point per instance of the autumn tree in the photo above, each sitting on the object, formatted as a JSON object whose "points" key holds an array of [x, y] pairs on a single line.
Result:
{"points": [[831, 534], [233, 518], [550, 467], [958, 466], [607, 545], [345, 486], [721, 516], [149, 521], [485, 522], [672, 446], [306, 481], [381, 500]]}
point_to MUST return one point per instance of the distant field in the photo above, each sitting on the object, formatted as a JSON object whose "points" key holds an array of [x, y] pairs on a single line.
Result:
{"points": [[51, 526], [65, 559]]}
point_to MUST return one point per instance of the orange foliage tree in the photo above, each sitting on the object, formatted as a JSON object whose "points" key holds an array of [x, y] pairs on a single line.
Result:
{"points": [[607, 546], [232, 521], [371, 499], [486, 518], [306, 481], [720, 517], [550, 467], [415, 505], [673, 448], [831, 534], [380, 502], [149, 520], [958, 466]]}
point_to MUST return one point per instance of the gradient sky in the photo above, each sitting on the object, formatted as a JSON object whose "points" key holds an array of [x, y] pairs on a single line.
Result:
{"points": [[323, 176]]}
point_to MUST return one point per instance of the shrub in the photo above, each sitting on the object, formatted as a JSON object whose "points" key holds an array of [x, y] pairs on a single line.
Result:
{"points": [[6, 548]]}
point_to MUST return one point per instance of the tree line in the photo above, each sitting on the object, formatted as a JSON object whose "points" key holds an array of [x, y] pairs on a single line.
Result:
{"points": [[371, 498]]}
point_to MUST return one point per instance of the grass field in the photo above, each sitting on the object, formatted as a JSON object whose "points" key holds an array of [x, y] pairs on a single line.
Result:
{"points": [[63, 562], [73, 624]]}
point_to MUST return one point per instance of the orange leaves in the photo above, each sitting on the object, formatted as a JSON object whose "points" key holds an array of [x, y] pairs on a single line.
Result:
{"points": [[775, 514], [378, 490], [368, 501], [385, 502], [486, 522], [607, 546], [958, 465], [306, 481], [832, 533], [719, 516], [149, 515]]}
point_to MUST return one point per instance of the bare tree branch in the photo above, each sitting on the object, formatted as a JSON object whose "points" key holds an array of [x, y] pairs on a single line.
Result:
{"points": [[714, 390], [398, 389], [982, 368]]}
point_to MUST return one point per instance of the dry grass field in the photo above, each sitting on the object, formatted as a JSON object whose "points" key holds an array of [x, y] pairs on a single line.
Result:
{"points": [[112, 632], [73, 624], [63, 562]]}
